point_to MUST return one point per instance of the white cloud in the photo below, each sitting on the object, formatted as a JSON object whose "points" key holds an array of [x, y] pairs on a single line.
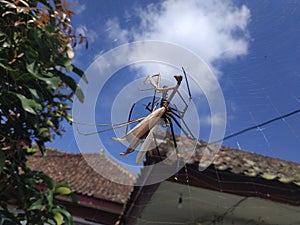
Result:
{"points": [[115, 32], [214, 30], [215, 119], [77, 7]]}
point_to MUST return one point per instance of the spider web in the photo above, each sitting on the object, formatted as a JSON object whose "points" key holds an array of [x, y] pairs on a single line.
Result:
{"points": [[264, 84]]}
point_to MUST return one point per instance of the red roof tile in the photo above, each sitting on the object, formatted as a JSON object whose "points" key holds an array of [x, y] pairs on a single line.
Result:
{"points": [[83, 179], [233, 160]]}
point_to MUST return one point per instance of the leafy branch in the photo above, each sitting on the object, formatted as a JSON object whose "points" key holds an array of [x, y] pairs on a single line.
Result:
{"points": [[36, 52]]}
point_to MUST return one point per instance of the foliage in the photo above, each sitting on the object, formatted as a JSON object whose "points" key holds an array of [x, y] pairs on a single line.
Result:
{"points": [[36, 49]]}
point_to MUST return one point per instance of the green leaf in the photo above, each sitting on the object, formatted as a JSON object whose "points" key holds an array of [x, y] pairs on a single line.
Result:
{"points": [[80, 73], [37, 205], [46, 179], [51, 221], [69, 118], [52, 82], [74, 197], [79, 94], [70, 52], [31, 151], [29, 105], [63, 190], [58, 217], [65, 213], [66, 107], [69, 68], [6, 67], [72, 84], [50, 198], [41, 147], [44, 132], [50, 123], [67, 63], [32, 68], [34, 93]]}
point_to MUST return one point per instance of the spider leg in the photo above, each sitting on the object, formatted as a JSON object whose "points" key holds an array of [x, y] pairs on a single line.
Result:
{"points": [[174, 113], [129, 117], [187, 133]]}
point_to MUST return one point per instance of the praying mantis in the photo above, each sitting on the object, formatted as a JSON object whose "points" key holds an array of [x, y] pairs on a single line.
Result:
{"points": [[149, 125], [144, 132]]}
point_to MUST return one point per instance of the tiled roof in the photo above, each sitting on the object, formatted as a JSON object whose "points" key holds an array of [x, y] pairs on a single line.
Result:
{"points": [[233, 160], [251, 164], [83, 179], [230, 171]]}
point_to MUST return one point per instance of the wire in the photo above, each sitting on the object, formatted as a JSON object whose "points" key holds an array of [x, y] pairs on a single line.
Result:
{"points": [[257, 126]]}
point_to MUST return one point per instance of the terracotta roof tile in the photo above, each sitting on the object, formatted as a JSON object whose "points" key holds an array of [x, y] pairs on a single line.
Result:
{"points": [[83, 179], [251, 164], [236, 161]]}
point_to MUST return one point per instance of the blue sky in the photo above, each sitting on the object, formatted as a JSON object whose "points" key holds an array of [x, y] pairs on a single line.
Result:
{"points": [[253, 47]]}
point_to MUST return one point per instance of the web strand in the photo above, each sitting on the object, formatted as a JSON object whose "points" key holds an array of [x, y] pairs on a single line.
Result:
{"points": [[257, 126]]}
